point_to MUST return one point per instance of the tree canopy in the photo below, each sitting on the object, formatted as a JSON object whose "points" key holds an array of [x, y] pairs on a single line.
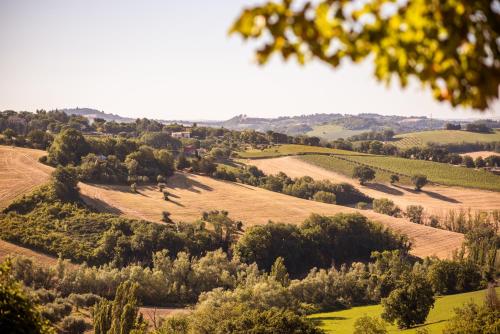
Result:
{"points": [[450, 45]]}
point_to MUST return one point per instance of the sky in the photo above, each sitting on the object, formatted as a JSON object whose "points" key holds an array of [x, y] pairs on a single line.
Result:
{"points": [[169, 59]]}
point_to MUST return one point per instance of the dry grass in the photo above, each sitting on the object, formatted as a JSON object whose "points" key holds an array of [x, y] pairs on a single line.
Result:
{"points": [[477, 154], [435, 199], [194, 194], [20, 172]]}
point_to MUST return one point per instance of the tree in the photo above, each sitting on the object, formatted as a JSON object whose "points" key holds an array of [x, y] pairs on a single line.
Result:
{"points": [[480, 162], [419, 180], [369, 325], [415, 213], [449, 46], [394, 178], [18, 313], [474, 319], [119, 316], [65, 181], [468, 162], [68, 147], [182, 162], [9, 133], [386, 207], [410, 303], [451, 126], [363, 173], [271, 321], [279, 272]]}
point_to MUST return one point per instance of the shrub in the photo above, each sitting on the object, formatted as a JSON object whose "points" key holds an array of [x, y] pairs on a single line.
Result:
{"points": [[415, 213], [386, 207], [369, 325], [325, 197], [362, 205], [394, 178], [474, 319], [74, 325]]}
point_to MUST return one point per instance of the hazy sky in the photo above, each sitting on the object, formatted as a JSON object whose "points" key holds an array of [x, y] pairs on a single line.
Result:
{"points": [[173, 60]]}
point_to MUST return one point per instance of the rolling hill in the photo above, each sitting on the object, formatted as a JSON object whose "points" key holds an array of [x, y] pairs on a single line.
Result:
{"points": [[436, 199], [194, 194]]}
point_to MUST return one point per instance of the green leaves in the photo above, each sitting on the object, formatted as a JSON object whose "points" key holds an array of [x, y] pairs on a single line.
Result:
{"points": [[450, 46]]}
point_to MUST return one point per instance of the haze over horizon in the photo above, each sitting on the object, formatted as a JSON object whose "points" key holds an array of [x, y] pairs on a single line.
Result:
{"points": [[174, 60]]}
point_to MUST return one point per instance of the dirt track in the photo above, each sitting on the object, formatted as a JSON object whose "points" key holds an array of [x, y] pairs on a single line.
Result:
{"points": [[193, 194], [435, 199]]}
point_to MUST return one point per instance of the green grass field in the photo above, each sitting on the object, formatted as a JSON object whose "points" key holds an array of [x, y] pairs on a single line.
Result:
{"points": [[423, 138], [290, 149], [436, 172], [343, 321], [332, 132]]}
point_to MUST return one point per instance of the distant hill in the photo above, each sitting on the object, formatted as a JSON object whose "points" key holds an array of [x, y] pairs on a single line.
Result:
{"points": [[94, 113], [331, 126]]}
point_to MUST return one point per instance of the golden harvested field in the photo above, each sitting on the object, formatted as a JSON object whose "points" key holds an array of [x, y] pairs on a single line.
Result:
{"points": [[7, 249], [20, 172], [193, 194], [435, 199], [477, 154]]}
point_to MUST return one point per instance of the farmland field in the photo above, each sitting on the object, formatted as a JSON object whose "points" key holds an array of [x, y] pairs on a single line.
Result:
{"points": [[436, 199], [482, 154], [441, 173], [291, 149], [191, 195], [340, 322], [407, 140], [332, 132]]}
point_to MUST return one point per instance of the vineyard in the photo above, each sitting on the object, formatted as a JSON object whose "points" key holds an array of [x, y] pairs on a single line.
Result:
{"points": [[423, 138], [291, 149], [444, 174]]}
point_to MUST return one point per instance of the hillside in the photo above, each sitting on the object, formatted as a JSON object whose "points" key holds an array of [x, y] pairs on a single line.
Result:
{"points": [[93, 113], [341, 322], [423, 138], [436, 199], [194, 194], [344, 162], [330, 126]]}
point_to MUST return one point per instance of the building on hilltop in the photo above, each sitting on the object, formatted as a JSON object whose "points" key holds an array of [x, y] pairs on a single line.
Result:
{"points": [[182, 134]]}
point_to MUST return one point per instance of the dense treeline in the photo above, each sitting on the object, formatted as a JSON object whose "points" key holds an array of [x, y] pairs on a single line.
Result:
{"points": [[303, 187], [318, 242]]}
